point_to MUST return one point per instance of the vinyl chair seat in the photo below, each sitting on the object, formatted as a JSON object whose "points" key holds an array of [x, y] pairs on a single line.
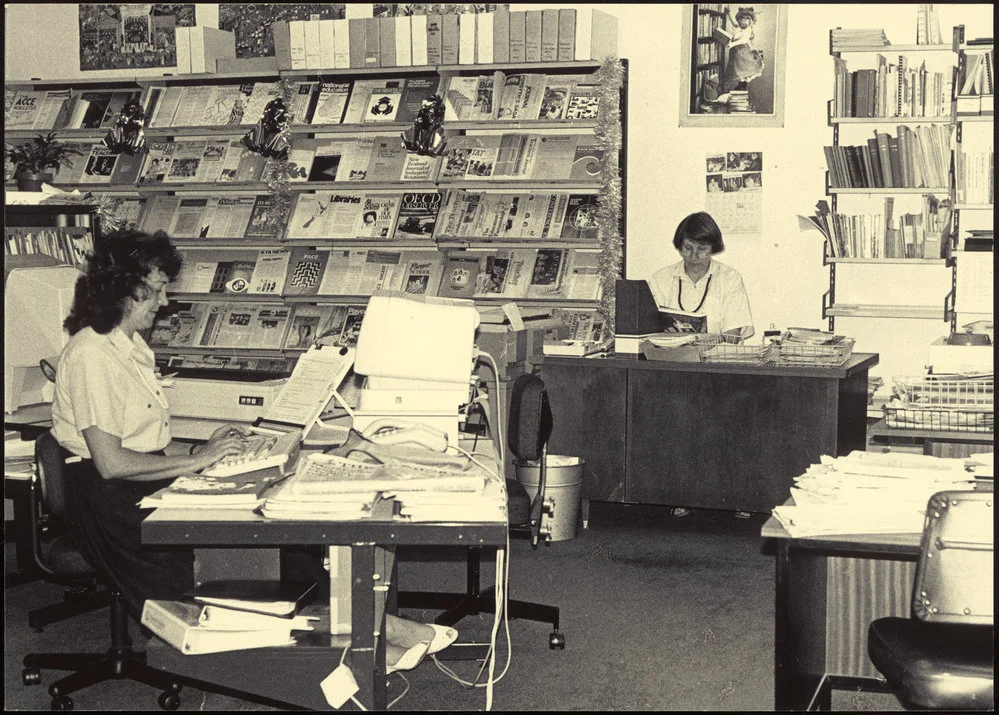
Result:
{"points": [[939, 666]]}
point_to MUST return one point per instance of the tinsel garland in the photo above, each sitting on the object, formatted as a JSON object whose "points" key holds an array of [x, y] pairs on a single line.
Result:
{"points": [[608, 136], [279, 172]]}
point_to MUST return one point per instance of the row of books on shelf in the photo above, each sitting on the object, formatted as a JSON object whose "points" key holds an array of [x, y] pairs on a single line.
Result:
{"points": [[68, 243], [296, 271], [891, 90], [915, 158], [709, 16], [975, 177], [550, 35], [884, 235], [494, 96]]}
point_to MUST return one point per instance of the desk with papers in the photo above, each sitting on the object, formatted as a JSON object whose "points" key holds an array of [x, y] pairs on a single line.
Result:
{"points": [[847, 542], [292, 674]]}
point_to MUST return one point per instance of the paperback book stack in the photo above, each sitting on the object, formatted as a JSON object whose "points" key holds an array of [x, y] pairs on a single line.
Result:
{"points": [[868, 493]]}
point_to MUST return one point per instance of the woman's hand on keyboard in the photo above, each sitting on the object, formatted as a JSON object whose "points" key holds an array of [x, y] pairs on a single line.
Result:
{"points": [[225, 441]]}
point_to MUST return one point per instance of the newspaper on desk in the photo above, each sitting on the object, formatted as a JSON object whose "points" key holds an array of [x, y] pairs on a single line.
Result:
{"points": [[335, 487], [868, 493]]}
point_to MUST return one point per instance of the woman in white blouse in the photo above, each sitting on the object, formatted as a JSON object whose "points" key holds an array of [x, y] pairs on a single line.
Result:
{"points": [[701, 285]]}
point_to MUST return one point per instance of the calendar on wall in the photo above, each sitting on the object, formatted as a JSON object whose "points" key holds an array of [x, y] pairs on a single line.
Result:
{"points": [[734, 185]]}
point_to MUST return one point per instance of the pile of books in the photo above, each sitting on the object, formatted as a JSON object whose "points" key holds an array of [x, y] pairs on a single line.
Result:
{"points": [[232, 615], [868, 493], [858, 39]]}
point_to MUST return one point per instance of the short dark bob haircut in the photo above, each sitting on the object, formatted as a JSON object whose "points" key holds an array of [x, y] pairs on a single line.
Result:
{"points": [[116, 271], [699, 227]]}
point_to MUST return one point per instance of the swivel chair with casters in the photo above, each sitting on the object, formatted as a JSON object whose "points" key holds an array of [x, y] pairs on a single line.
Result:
{"points": [[943, 658], [55, 557], [120, 661], [529, 427]]}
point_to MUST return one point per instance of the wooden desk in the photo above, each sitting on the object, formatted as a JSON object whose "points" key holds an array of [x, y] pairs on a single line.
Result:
{"points": [[292, 674], [706, 435], [827, 591]]}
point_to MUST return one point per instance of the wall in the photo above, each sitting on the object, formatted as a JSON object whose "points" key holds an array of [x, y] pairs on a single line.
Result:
{"points": [[782, 267]]}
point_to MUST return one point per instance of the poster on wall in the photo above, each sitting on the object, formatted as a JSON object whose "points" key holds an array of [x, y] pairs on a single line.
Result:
{"points": [[732, 67], [133, 36], [734, 183]]}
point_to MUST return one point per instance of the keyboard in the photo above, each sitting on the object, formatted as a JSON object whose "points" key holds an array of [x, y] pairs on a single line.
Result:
{"points": [[264, 449]]}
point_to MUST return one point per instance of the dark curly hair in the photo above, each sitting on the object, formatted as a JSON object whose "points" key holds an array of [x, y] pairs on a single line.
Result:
{"points": [[699, 227], [115, 272]]}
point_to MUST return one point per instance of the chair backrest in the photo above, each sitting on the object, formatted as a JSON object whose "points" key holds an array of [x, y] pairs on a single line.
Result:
{"points": [[51, 460], [953, 581], [530, 423]]}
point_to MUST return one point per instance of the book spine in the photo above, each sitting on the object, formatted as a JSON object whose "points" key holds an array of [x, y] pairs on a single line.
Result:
{"points": [[296, 33], [518, 36], [386, 41], [435, 39], [282, 43], [183, 43], [372, 49], [466, 38], [566, 34], [501, 36], [549, 35], [327, 44], [404, 41], [313, 46], [484, 42], [419, 38], [341, 44], [168, 626], [358, 42], [532, 36], [450, 39]]}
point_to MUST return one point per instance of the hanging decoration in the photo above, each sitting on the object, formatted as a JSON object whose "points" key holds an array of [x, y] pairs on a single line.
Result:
{"points": [[269, 137], [607, 135], [277, 170], [127, 136], [426, 137]]}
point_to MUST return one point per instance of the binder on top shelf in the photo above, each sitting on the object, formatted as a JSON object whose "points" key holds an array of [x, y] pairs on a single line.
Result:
{"points": [[418, 36], [466, 38], [549, 35], [386, 41], [450, 39], [596, 35], [208, 46], [532, 36], [501, 36], [313, 48]]}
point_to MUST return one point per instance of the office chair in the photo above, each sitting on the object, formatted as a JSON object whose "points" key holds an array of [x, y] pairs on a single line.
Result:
{"points": [[53, 552], [529, 427], [943, 657], [120, 661]]}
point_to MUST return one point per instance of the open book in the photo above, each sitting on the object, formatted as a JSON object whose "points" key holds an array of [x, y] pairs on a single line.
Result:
{"points": [[674, 320]]}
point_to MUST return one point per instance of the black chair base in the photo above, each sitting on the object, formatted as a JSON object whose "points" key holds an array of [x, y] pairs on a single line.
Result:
{"points": [[456, 606], [76, 601], [120, 662]]}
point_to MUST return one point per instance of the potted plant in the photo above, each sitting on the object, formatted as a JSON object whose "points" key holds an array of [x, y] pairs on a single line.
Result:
{"points": [[34, 158]]}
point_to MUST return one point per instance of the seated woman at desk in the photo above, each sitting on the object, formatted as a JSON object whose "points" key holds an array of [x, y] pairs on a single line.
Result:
{"points": [[701, 285], [110, 409]]}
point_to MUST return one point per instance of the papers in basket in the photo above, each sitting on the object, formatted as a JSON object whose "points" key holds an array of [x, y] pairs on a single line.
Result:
{"points": [[868, 493]]}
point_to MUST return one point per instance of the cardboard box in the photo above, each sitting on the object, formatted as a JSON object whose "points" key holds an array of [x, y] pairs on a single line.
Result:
{"points": [[506, 346]]}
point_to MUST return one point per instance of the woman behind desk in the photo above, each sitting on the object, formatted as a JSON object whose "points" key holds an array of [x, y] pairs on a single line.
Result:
{"points": [[110, 410], [700, 285]]}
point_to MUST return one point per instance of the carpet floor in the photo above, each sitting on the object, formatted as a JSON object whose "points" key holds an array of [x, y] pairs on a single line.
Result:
{"points": [[659, 613]]}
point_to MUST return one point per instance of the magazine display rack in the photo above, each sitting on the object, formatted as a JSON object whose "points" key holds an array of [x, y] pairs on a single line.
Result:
{"points": [[506, 214]]}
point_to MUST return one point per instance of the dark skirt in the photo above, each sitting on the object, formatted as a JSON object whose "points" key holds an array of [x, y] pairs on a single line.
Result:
{"points": [[105, 521]]}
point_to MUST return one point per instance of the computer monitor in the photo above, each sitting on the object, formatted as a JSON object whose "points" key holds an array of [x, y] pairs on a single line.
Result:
{"points": [[36, 302], [417, 356]]}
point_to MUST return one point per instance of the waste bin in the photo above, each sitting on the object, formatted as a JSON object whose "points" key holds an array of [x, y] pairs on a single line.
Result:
{"points": [[563, 485]]}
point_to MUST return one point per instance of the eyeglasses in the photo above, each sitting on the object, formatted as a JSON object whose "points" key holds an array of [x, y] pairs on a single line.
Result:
{"points": [[698, 249]]}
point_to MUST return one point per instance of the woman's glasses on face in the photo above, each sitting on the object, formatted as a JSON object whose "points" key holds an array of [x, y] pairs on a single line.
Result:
{"points": [[695, 249]]}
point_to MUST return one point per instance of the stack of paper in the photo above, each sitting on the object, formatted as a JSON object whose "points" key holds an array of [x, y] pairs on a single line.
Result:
{"points": [[487, 504], [286, 503], [868, 493], [200, 491]]}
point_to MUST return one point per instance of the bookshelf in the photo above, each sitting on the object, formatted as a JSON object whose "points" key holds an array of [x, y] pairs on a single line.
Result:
{"points": [[901, 178], [974, 174], [176, 201]]}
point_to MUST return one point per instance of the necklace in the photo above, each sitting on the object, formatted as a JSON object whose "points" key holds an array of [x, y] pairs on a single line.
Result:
{"points": [[679, 296], [158, 394]]}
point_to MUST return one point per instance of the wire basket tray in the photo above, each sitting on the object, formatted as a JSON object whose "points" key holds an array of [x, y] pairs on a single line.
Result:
{"points": [[740, 354], [927, 392], [804, 355], [939, 419]]}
